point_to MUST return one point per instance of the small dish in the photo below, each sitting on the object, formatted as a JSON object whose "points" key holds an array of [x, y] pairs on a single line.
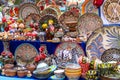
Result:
{"points": [[54, 77], [59, 73]]}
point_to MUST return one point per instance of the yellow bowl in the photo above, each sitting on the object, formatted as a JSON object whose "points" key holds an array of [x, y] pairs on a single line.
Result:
{"points": [[73, 75], [72, 70]]}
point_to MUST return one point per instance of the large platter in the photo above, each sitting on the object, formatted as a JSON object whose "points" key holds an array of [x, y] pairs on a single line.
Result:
{"points": [[111, 10], [68, 52], [26, 9], [69, 20], [25, 53], [88, 7], [101, 40], [88, 22]]}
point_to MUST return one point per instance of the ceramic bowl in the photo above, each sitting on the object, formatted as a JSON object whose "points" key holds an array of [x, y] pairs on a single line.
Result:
{"points": [[21, 73], [10, 72], [73, 76], [31, 67], [8, 66], [54, 77], [59, 73]]}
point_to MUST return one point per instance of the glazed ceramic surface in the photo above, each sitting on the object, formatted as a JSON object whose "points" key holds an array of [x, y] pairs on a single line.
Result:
{"points": [[111, 10], [88, 7], [68, 52], [26, 9], [49, 11], [33, 17], [88, 22], [101, 40], [68, 20], [112, 54], [25, 53]]}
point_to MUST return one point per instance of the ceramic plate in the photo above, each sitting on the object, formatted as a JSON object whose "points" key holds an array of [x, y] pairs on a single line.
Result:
{"points": [[111, 54], [69, 20], [68, 52], [56, 8], [49, 11], [101, 40], [88, 22], [33, 17], [25, 53], [26, 9], [88, 7], [111, 10]]}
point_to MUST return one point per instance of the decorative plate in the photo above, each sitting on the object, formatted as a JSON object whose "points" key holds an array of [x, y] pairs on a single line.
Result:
{"points": [[112, 54], [49, 11], [88, 22], [47, 17], [26, 9], [67, 52], [56, 8], [101, 40], [69, 20], [88, 7], [25, 53], [32, 17], [111, 10]]}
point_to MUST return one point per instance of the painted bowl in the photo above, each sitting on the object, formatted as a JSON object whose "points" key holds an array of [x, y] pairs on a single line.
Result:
{"points": [[73, 76], [44, 74], [10, 72], [59, 73], [31, 67], [54, 77], [8, 66], [21, 73]]}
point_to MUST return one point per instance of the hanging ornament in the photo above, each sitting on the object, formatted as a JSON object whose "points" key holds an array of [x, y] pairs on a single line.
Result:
{"points": [[98, 3]]}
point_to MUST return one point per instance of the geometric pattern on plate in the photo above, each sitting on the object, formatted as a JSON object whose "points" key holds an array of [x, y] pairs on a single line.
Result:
{"points": [[111, 10]]}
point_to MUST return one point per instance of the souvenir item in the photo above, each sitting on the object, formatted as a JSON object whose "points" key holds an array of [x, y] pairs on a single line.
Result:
{"points": [[67, 52], [49, 10], [111, 54], [69, 20], [98, 3], [59, 73], [54, 77], [56, 8], [26, 9], [25, 53], [111, 10], [101, 40], [44, 71], [92, 74], [73, 71], [32, 18], [10, 72], [88, 7], [88, 22]]}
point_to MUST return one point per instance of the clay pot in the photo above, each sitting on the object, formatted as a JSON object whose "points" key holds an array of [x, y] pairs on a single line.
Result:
{"points": [[31, 67], [10, 72], [8, 66], [21, 73]]}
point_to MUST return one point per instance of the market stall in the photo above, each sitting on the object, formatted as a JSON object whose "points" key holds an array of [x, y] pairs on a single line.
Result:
{"points": [[59, 39]]}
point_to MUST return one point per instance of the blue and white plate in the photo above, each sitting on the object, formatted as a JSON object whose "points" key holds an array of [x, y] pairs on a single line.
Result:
{"points": [[101, 40]]}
